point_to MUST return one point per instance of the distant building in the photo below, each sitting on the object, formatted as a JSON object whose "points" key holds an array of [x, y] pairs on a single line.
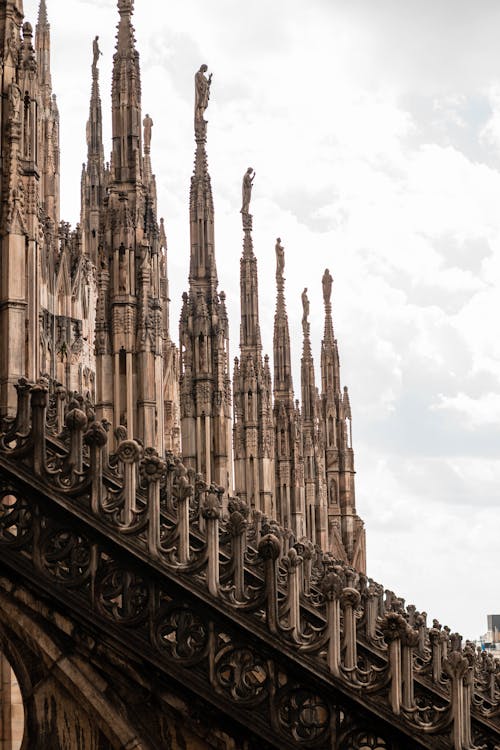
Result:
{"points": [[490, 641], [494, 629]]}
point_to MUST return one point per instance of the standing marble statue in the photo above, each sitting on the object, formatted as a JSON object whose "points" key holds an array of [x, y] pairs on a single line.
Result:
{"points": [[305, 306], [280, 257], [163, 235], [96, 52], [202, 92], [246, 190], [147, 124], [327, 281]]}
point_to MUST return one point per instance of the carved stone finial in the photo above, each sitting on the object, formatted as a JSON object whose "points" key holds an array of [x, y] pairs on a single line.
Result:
{"points": [[327, 286], [246, 191], [126, 6], [269, 547], [42, 14], [96, 435]]}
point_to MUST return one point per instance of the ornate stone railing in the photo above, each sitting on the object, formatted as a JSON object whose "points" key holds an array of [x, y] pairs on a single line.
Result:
{"points": [[227, 600]]}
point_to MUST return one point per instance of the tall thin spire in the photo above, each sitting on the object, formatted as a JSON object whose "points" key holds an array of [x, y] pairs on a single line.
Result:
{"points": [[48, 147], [204, 330], [93, 172], [250, 338], [289, 464], [130, 338], [345, 528], [202, 268], [253, 434], [42, 14], [42, 46], [283, 385], [330, 366], [314, 479], [307, 380], [126, 160], [95, 148]]}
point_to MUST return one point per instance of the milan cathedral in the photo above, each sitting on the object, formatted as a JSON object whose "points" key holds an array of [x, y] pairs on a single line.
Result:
{"points": [[182, 564], [88, 308]]}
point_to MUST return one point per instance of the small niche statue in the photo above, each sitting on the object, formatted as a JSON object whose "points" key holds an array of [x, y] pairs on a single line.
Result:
{"points": [[15, 100]]}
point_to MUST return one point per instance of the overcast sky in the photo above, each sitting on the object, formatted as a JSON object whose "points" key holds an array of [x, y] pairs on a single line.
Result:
{"points": [[374, 130]]}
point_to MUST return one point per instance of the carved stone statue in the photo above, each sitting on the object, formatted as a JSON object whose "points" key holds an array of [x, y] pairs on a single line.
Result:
{"points": [[122, 272], [202, 92], [280, 257], [246, 190], [13, 44], [305, 306], [148, 124], [96, 51], [327, 286], [163, 236], [15, 100]]}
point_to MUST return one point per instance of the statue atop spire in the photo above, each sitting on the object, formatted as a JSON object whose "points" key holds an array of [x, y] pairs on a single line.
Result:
{"points": [[246, 192], [96, 52], [280, 260], [201, 96], [147, 124], [305, 311], [327, 281]]}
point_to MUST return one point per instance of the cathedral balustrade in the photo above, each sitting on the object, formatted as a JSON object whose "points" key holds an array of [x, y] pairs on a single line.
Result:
{"points": [[70, 511]]}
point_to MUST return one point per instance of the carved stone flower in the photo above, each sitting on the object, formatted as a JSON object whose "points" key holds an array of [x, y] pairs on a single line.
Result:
{"points": [[393, 626], [129, 452], [151, 467]]}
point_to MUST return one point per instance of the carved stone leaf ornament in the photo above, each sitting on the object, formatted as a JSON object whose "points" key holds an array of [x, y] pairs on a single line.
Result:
{"points": [[305, 716], [123, 595], [182, 634], [66, 556], [16, 520], [242, 674]]}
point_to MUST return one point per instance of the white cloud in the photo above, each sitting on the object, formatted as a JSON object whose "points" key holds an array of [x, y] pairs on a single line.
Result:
{"points": [[475, 411]]}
